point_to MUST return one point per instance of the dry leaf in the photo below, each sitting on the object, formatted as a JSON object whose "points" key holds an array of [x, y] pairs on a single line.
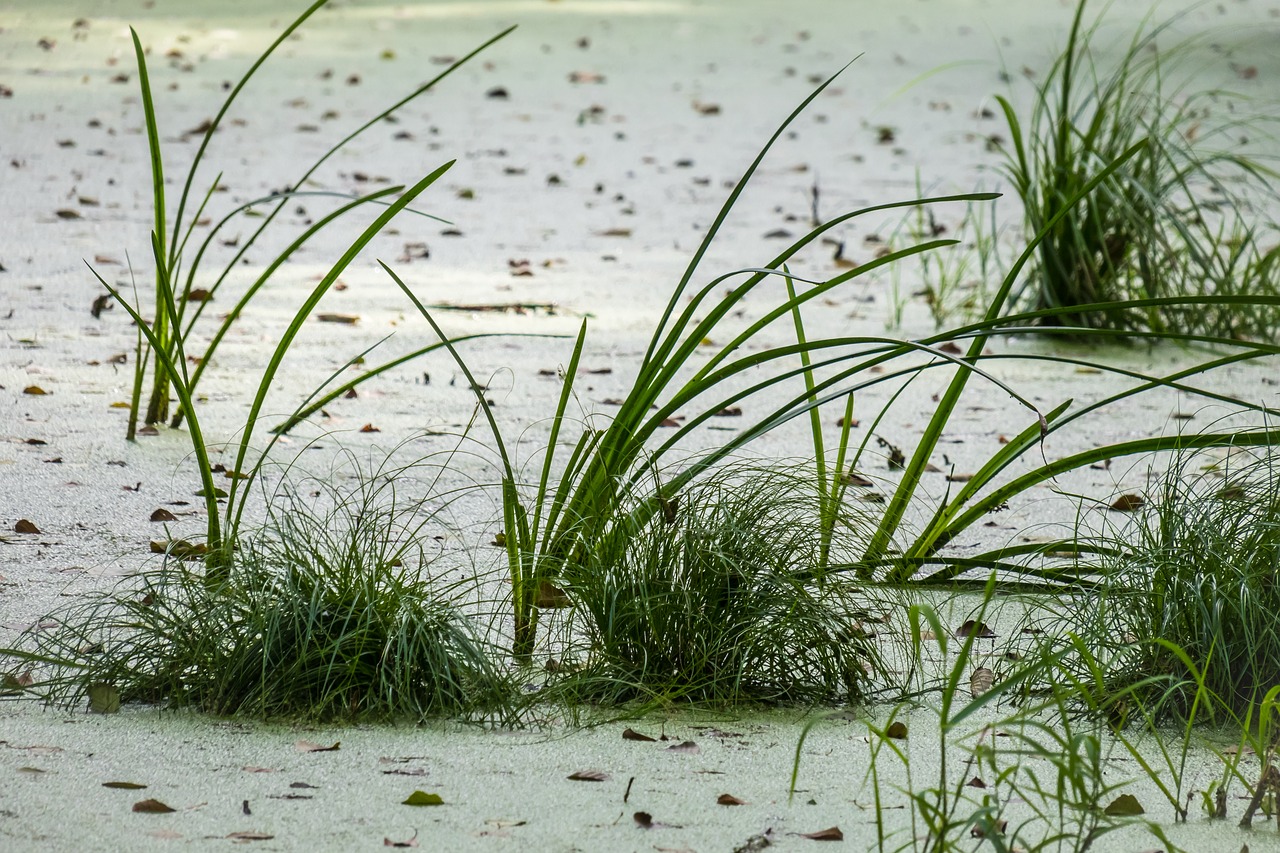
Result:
{"points": [[25, 526], [163, 514], [152, 807], [124, 786], [589, 776], [250, 836], [644, 819], [1125, 805], [34, 391], [345, 319], [981, 681], [308, 746], [831, 833], [687, 747], [729, 800], [976, 629], [632, 734], [1128, 503], [369, 428]]}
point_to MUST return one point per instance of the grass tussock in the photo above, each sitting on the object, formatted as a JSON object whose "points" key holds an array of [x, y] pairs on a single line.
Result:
{"points": [[1195, 588], [1180, 218], [326, 614], [717, 599]]}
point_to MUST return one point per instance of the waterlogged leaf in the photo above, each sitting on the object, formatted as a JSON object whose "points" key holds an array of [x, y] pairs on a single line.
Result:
{"points": [[1125, 805], [976, 629], [152, 807], [729, 800], [687, 747], [632, 734], [981, 681], [589, 776], [1128, 503], [310, 746], [831, 833], [103, 698], [25, 526], [422, 798], [124, 786], [897, 730]]}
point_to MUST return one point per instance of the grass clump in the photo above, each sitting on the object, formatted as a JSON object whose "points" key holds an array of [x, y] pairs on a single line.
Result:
{"points": [[326, 614], [1194, 590], [1169, 223], [718, 600]]}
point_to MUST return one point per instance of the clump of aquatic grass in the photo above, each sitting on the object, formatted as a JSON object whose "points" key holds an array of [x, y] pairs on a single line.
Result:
{"points": [[1168, 223], [329, 612], [1192, 592], [719, 599]]}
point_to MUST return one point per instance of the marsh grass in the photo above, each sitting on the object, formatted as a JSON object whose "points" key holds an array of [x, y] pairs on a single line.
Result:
{"points": [[719, 600], [1170, 222], [1192, 592], [329, 612]]}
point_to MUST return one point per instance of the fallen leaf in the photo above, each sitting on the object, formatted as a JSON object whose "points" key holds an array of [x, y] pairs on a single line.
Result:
{"points": [[550, 597], [975, 782], [729, 800], [589, 776], [152, 807], [644, 819], [831, 833], [977, 629], [687, 747], [1128, 503], [25, 526], [369, 428], [950, 348], [897, 730], [103, 698], [34, 391], [250, 836], [632, 734], [345, 319], [1125, 805], [124, 786], [422, 798], [981, 681], [309, 746], [163, 514], [412, 842]]}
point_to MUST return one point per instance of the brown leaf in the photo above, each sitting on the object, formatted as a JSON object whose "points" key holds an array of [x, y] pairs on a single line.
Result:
{"points": [[687, 747], [1125, 805], [67, 213], [152, 807], [345, 319], [369, 428], [34, 391], [632, 734], [1128, 503], [250, 836], [124, 786], [975, 782], [831, 833], [729, 800], [644, 819], [897, 730], [550, 597], [853, 478], [198, 294], [309, 746], [707, 109], [25, 526], [163, 514], [589, 776], [950, 348], [981, 681], [977, 629]]}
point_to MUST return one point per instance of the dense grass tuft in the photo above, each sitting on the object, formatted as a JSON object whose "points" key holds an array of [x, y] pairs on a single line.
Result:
{"points": [[716, 599], [326, 614]]}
